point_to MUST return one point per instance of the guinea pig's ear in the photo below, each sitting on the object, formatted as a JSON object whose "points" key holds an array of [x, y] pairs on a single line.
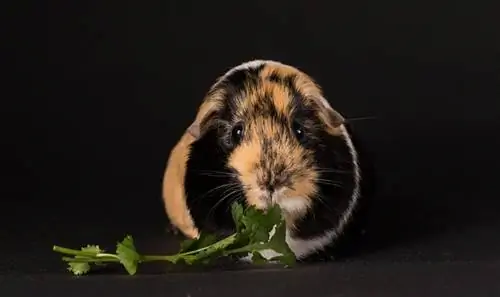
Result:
{"points": [[330, 117], [204, 118]]}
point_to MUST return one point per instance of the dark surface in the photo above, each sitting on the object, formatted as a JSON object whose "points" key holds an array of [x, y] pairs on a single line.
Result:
{"points": [[417, 279], [97, 93]]}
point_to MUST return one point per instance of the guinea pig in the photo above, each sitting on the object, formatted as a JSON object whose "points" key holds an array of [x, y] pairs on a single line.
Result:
{"points": [[265, 135]]}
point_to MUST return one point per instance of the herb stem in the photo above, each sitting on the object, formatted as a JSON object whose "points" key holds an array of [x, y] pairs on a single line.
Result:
{"points": [[220, 244], [106, 255], [248, 248], [149, 258], [67, 251], [171, 258], [89, 260]]}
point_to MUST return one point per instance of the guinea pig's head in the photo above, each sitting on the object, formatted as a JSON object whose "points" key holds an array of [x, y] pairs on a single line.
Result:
{"points": [[270, 120]]}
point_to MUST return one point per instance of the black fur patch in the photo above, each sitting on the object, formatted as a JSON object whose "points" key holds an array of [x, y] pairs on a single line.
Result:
{"points": [[347, 244], [243, 78], [265, 108], [236, 83], [336, 186], [205, 172]]}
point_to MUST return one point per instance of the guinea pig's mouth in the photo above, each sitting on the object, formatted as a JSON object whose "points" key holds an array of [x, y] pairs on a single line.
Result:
{"points": [[268, 198], [283, 197], [288, 204]]}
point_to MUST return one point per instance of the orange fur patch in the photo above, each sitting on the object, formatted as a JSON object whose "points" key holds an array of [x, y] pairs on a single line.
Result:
{"points": [[174, 196], [306, 85]]}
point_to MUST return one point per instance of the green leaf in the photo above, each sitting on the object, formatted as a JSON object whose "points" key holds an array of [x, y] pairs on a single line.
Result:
{"points": [[187, 245], [207, 253], [204, 240], [258, 224], [278, 244], [128, 255], [253, 226], [92, 249], [237, 212], [258, 259], [188, 259], [273, 216], [78, 268], [262, 230]]}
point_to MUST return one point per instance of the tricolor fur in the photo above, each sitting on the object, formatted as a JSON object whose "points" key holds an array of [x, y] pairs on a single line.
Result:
{"points": [[265, 134]]}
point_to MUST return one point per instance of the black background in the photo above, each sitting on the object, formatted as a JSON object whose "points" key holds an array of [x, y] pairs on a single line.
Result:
{"points": [[96, 93]]}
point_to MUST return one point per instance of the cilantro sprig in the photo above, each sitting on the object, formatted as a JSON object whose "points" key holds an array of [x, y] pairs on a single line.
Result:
{"points": [[256, 231]]}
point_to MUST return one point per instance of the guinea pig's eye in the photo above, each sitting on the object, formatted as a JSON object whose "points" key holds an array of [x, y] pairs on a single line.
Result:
{"points": [[237, 133], [298, 131]]}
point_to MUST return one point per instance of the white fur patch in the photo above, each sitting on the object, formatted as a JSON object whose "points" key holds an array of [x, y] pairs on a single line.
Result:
{"points": [[294, 204], [249, 65]]}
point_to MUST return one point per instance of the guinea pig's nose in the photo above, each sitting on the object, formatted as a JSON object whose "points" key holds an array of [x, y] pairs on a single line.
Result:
{"points": [[270, 190], [267, 190], [269, 186]]}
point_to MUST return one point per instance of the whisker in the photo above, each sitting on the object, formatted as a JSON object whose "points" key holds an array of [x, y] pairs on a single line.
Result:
{"points": [[213, 208], [215, 173], [222, 199], [228, 185], [220, 187], [332, 170], [239, 197], [321, 199], [328, 182], [360, 119], [325, 180]]}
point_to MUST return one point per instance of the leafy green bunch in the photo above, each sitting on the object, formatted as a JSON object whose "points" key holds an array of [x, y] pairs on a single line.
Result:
{"points": [[256, 230]]}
